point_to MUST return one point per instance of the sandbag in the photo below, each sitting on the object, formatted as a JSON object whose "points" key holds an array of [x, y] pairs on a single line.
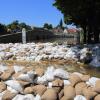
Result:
{"points": [[39, 89], [97, 97], [57, 89], [28, 90], [39, 71], [97, 86], [15, 75], [31, 74], [12, 90], [1, 94], [49, 85], [58, 82], [28, 97], [61, 73], [3, 68], [89, 93], [77, 73], [66, 82], [64, 98], [69, 92], [37, 97], [49, 94], [41, 80], [2, 86], [18, 97], [79, 88], [15, 85], [92, 81], [74, 79], [61, 94], [24, 97], [49, 74], [8, 95], [25, 77], [80, 97], [6, 75], [85, 78], [23, 83], [18, 68]]}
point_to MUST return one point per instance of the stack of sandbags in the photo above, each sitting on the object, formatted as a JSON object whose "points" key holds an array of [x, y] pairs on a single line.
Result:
{"points": [[20, 83]]}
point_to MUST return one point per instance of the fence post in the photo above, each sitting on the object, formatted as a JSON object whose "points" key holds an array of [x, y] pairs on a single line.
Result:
{"points": [[24, 36], [76, 38]]}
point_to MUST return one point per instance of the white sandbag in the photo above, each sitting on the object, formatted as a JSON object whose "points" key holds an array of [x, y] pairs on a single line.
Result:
{"points": [[41, 80], [28, 97], [61, 73], [2, 55], [71, 54], [38, 97], [67, 82], [18, 97], [79, 97], [50, 73], [3, 68], [24, 97], [1, 94], [38, 58], [95, 62], [92, 81], [12, 90], [31, 74], [49, 76], [49, 85], [15, 85], [18, 68], [25, 77]]}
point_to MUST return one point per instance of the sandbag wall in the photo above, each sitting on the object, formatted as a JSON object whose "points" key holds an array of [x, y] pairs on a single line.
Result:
{"points": [[20, 83]]}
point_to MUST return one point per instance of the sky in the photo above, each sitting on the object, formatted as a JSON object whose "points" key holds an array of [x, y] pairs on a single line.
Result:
{"points": [[32, 12]]}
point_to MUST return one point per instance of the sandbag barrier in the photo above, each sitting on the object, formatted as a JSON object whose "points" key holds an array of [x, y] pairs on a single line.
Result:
{"points": [[25, 83], [48, 51]]}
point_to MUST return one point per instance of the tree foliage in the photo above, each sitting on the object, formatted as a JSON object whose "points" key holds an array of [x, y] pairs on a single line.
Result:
{"points": [[24, 25], [2, 29], [83, 12], [47, 26], [15, 25]]}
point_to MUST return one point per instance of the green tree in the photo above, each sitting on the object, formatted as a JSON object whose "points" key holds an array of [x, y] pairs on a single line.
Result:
{"points": [[48, 26], [14, 25], [24, 25], [83, 12], [3, 29]]}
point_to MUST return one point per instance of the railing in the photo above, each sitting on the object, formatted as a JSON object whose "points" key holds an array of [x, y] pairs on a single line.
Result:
{"points": [[32, 35], [12, 34]]}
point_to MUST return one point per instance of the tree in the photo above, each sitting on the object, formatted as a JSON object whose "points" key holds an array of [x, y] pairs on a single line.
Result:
{"points": [[83, 12], [2, 29], [14, 25], [48, 26], [24, 25]]}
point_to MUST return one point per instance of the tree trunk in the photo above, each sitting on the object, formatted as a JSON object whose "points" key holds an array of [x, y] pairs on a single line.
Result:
{"points": [[96, 36], [84, 27]]}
